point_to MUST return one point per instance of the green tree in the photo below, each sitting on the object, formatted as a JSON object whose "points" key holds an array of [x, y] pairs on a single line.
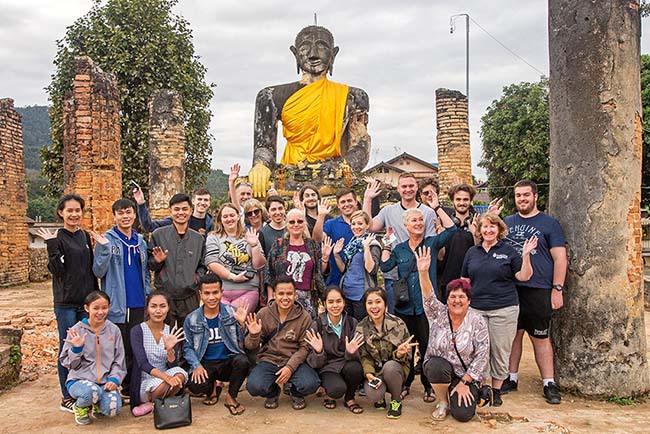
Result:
{"points": [[147, 47], [645, 101], [516, 140]]}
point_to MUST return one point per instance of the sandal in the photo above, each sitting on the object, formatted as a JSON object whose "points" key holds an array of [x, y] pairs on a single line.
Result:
{"points": [[353, 407], [234, 409], [271, 403], [298, 402], [441, 411], [406, 391], [329, 403], [211, 400], [429, 396]]}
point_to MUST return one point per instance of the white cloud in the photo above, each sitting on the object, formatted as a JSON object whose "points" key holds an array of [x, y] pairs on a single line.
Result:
{"points": [[398, 52]]}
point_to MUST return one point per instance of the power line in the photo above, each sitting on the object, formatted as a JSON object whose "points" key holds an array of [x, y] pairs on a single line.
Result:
{"points": [[506, 48]]}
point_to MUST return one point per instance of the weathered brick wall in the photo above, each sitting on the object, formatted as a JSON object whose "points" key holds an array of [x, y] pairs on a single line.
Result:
{"points": [[454, 158], [38, 271], [10, 355], [166, 150], [92, 158], [14, 238]]}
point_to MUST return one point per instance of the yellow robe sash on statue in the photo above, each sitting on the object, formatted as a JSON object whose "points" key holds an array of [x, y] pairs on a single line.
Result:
{"points": [[312, 122]]}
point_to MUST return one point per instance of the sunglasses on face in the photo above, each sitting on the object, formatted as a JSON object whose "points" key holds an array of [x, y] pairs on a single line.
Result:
{"points": [[295, 222], [253, 212], [426, 193]]}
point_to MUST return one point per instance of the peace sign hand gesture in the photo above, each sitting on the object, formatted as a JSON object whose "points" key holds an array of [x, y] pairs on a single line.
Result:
{"points": [[173, 338], [314, 339], [404, 348]]}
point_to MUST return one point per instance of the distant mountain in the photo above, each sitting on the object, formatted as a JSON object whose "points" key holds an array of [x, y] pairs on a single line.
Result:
{"points": [[217, 183], [36, 133]]}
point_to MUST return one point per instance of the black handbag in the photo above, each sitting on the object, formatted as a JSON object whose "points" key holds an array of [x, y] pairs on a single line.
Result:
{"points": [[172, 412], [401, 288]]}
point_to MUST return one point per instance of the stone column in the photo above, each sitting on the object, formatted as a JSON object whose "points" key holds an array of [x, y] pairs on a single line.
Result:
{"points": [[595, 176], [166, 150], [454, 158], [92, 158], [14, 238]]}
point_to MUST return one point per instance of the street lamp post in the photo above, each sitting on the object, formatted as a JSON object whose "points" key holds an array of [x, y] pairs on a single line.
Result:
{"points": [[452, 26]]}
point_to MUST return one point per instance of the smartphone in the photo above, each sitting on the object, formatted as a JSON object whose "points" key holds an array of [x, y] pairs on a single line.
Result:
{"points": [[374, 383], [389, 239], [135, 185]]}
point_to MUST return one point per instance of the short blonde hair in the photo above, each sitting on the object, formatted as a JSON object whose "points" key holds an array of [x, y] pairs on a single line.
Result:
{"points": [[360, 213], [495, 220]]}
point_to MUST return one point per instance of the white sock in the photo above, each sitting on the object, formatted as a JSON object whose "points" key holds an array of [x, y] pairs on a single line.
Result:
{"points": [[548, 380], [514, 376]]}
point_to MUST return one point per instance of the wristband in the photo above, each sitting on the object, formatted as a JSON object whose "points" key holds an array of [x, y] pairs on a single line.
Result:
{"points": [[435, 209], [253, 246], [558, 287], [465, 382]]}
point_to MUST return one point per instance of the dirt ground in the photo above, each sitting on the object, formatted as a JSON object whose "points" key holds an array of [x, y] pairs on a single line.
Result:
{"points": [[33, 406]]}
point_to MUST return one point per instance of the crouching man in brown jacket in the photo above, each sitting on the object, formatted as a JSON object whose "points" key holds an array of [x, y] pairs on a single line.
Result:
{"points": [[280, 329]]}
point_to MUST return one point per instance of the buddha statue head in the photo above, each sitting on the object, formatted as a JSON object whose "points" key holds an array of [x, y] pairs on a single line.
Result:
{"points": [[314, 50]]}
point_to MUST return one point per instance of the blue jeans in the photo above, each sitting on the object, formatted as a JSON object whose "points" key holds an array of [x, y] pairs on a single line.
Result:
{"points": [[88, 393], [388, 284], [66, 317], [261, 381]]}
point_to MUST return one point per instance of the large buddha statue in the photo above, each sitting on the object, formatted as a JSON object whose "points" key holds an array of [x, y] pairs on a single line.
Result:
{"points": [[322, 121]]}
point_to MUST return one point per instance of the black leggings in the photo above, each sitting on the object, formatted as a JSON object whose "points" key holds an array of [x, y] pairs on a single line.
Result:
{"points": [[346, 382], [440, 371], [418, 326], [234, 370]]}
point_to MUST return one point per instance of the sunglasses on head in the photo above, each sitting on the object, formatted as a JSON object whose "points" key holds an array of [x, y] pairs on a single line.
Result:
{"points": [[253, 212], [295, 222]]}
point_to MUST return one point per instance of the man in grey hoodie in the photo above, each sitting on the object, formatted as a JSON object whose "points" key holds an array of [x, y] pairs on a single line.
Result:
{"points": [[176, 257]]}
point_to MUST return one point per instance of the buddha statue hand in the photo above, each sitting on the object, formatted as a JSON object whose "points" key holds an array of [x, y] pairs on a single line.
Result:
{"points": [[259, 177]]}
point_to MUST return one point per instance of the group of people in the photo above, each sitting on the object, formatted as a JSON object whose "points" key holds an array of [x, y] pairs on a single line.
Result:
{"points": [[292, 300]]}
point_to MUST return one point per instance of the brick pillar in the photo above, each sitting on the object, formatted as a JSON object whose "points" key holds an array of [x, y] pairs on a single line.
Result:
{"points": [[454, 158], [92, 158], [14, 239], [166, 150]]}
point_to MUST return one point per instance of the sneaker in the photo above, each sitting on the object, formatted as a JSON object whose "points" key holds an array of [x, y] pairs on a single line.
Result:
{"points": [[95, 412], [142, 409], [380, 405], [395, 410], [552, 393], [509, 385], [67, 405], [81, 415], [496, 398]]}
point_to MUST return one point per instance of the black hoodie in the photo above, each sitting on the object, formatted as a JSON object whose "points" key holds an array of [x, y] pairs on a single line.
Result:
{"points": [[70, 260]]}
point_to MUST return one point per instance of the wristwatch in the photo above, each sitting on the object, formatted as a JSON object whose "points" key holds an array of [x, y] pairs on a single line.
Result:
{"points": [[558, 287]]}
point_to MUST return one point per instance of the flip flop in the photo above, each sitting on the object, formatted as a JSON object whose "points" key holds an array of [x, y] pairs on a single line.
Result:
{"points": [[329, 404], [211, 400], [234, 409], [441, 412], [406, 391]]}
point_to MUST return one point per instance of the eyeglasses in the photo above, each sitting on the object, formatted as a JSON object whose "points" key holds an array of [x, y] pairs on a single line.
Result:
{"points": [[426, 193], [253, 212], [295, 222]]}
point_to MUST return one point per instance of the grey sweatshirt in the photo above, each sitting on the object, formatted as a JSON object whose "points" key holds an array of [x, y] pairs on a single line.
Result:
{"points": [[101, 358]]}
